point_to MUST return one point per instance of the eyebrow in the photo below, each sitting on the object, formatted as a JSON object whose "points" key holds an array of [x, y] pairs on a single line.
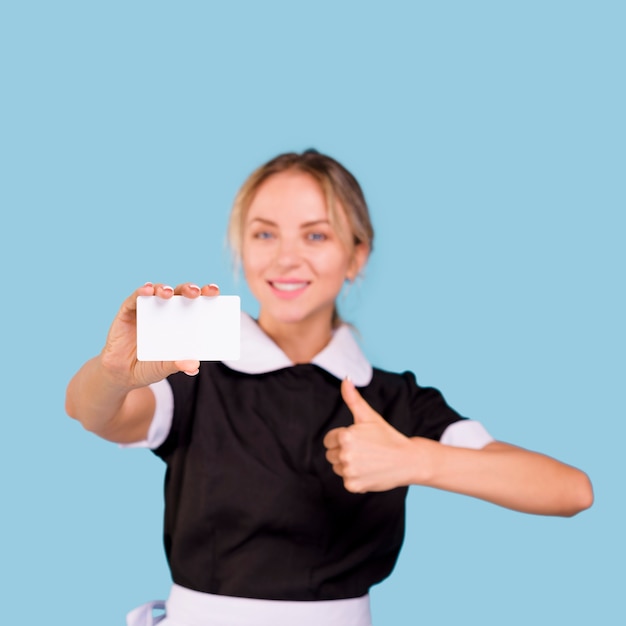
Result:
{"points": [[305, 225]]}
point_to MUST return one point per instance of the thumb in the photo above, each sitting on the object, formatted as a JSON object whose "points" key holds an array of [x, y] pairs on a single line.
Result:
{"points": [[190, 368], [361, 410]]}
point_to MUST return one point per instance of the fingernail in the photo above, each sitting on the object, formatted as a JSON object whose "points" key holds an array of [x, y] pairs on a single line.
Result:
{"points": [[167, 288], [194, 287], [148, 284], [214, 285]]}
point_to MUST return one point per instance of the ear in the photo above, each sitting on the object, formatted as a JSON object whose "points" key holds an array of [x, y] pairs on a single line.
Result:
{"points": [[360, 255]]}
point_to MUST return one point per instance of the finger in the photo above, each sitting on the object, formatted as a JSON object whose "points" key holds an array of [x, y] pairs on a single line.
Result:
{"points": [[190, 367], [146, 290], [189, 290], [128, 310], [332, 438], [163, 291], [211, 290], [353, 486], [361, 410], [332, 456], [338, 469]]}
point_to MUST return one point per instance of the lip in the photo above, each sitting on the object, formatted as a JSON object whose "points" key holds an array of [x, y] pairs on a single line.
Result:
{"points": [[290, 293]]}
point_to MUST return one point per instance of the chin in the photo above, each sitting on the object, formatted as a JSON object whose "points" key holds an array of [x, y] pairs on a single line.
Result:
{"points": [[297, 316], [290, 318]]}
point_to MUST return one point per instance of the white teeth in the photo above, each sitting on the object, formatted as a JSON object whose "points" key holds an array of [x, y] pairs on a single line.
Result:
{"points": [[288, 286]]}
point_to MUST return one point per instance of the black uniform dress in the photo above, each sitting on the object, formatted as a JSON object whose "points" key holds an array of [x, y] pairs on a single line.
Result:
{"points": [[252, 507]]}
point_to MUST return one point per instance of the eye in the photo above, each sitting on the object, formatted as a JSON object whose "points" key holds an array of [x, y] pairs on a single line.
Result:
{"points": [[263, 234], [317, 237]]}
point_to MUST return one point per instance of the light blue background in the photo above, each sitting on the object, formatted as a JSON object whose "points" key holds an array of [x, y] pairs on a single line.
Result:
{"points": [[490, 140]]}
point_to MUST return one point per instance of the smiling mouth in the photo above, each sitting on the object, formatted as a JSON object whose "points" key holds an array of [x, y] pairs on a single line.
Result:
{"points": [[288, 286]]}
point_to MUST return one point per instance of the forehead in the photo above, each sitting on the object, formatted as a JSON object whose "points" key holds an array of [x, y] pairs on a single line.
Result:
{"points": [[290, 195]]}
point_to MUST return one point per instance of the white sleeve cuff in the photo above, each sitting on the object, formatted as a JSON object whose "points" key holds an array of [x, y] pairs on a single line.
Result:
{"points": [[162, 419], [466, 434]]}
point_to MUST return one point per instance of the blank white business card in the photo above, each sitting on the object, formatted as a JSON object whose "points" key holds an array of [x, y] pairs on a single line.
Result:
{"points": [[204, 328]]}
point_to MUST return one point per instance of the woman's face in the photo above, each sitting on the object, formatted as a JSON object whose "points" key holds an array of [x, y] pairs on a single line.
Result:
{"points": [[293, 260]]}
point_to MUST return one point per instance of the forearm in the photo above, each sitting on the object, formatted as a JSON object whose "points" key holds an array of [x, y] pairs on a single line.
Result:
{"points": [[505, 475], [97, 399]]}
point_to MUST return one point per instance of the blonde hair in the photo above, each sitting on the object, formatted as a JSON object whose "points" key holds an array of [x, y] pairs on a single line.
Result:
{"points": [[341, 190]]}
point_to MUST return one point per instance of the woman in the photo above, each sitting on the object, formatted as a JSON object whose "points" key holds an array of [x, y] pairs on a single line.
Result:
{"points": [[287, 470]]}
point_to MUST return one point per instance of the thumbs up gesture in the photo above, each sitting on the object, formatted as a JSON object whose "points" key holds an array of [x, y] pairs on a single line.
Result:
{"points": [[370, 455]]}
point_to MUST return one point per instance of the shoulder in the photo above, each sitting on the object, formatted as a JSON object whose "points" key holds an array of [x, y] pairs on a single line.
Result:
{"points": [[420, 411], [393, 382], [400, 382], [389, 391]]}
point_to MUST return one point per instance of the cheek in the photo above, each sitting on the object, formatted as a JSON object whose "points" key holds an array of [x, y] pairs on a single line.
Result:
{"points": [[253, 275], [251, 271], [334, 263], [252, 259], [255, 265]]}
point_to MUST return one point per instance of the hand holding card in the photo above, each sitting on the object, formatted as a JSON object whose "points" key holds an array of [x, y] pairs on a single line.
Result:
{"points": [[180, 328]]}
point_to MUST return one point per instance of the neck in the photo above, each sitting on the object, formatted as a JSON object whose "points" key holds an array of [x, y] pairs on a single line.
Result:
{"points": [[300, 341]]}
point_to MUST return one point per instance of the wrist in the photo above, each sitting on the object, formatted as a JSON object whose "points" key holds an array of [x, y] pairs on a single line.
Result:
{"points": [[114, 379], [423, 460]]}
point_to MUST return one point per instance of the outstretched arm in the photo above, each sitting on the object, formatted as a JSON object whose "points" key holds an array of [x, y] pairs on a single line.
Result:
{"points": [[109, 395], [371, 455], [506, 475]]}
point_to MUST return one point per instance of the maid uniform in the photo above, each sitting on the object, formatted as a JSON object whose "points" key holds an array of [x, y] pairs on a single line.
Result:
{"points": [[258, 529]]}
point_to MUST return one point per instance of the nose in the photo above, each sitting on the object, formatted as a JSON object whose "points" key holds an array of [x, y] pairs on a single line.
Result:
{"points": [[288, 253]]}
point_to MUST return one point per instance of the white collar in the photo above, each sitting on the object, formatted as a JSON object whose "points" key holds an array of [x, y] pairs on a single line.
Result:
{"points": [[341, 357]]}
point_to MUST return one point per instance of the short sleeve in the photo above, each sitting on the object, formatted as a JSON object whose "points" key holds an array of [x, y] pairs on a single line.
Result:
{"points": [[435, 419], [183, 390], [162, 418], [466, 434], [430, 413]]}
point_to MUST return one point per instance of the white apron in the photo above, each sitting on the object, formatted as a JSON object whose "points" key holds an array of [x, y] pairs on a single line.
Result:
{"points": [[193, 608]]}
